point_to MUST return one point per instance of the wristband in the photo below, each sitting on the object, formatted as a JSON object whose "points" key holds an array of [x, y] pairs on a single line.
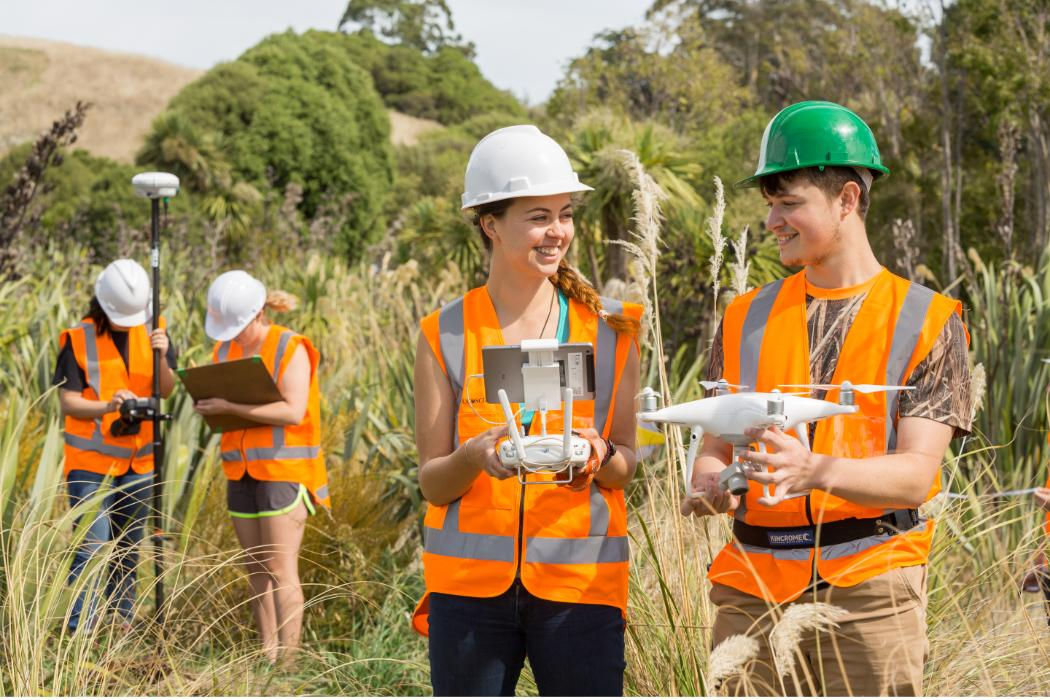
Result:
{"points": [[610, 451]]}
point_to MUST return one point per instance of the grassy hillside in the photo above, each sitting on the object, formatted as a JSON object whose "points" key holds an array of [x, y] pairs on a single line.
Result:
{"points": [[41, 79]]}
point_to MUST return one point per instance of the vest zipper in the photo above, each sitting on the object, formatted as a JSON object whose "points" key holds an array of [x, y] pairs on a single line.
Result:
{"points": [[812, 441], [521, 524], [521, 533]]}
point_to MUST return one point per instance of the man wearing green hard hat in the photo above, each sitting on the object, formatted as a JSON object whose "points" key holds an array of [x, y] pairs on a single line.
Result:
{"points": [[832, 511]]}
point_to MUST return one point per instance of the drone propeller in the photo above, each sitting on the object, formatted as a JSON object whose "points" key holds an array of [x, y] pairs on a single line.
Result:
{"points": [[861, 388], [720, 384]]}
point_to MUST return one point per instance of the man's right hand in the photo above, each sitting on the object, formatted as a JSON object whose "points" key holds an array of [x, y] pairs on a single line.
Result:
{"points": [[708, 498]]}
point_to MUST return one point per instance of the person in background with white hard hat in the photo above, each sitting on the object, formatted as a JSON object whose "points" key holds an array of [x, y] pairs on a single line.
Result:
{"points": [[105, 361], [275, 472], [513, 571]]}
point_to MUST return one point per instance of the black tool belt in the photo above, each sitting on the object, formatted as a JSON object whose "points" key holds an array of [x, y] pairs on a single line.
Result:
{"points": [[825, 534]]}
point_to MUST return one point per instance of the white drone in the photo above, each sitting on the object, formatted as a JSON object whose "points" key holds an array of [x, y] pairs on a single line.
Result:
{"points": [[730, 415]]}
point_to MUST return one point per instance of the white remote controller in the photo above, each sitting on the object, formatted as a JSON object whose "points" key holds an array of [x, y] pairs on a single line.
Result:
{"points": [[545, 451]]}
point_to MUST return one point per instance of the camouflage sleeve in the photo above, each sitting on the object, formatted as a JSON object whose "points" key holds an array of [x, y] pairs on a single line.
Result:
{"points": [[942, 382], [715, 361]]}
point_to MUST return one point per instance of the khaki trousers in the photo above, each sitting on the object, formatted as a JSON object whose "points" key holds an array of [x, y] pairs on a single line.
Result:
{"points": [[879, 648]]}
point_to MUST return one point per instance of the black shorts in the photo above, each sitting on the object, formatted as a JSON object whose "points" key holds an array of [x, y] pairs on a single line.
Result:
{"points": [[249, 497]]}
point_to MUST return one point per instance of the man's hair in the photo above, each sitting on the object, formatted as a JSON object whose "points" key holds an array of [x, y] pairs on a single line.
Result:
{"points": [[830, 181]]}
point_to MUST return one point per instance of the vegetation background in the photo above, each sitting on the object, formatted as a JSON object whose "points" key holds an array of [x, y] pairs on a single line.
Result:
{"points": [[290, 169]]}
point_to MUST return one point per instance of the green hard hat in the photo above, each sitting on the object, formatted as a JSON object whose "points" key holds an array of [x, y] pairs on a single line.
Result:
{"points": [[815, 133]]}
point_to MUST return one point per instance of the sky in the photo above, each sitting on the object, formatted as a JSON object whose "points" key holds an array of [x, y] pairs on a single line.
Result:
{"points": [[522, 45]]}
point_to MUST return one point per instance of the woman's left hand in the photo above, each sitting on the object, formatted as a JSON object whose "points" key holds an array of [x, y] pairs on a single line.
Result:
{"points": [[795, 469], [158, 340], [583, 476], [213, 407]]}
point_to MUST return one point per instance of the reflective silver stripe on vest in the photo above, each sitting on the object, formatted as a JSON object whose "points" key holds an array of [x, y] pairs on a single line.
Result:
{"points": [[797, 554], [223, 352], [282, 346], [849, 549], [905, 337], [278, 452], [322, 491], [751, 335], [451, 335], [597, 548], [753, 330], [605, 365], [450, 541], [97, 443], [451, 330], [94, 374]]}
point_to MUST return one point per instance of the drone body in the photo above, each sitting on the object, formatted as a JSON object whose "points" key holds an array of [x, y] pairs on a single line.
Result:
{"points": [[730, 416]]}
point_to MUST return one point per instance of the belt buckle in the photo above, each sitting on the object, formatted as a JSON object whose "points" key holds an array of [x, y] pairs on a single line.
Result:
{"points": [[884, 528]]}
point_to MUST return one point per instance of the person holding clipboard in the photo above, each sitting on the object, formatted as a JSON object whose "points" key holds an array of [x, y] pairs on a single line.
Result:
{"points": [[275, 470], [514, 571]]}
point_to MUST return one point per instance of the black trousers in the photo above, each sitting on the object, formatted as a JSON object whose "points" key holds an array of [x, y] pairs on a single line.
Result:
{"points": [[478, 645]]}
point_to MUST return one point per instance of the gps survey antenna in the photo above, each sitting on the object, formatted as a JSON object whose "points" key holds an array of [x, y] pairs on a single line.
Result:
{"points": [[155, 187]]}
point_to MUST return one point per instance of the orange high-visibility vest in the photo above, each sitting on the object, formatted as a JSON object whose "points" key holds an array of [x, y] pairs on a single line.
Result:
{"points": [[567, 546], [89, 444], [765, 344], [278, 452]]}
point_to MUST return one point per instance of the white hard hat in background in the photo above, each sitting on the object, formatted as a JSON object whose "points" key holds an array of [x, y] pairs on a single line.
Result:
{"points": [[234, 299], [517, 161], [123, 292]]}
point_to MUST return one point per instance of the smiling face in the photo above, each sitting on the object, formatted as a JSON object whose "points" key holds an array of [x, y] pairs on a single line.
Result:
{"points": [[807, 219], [533, 234]]}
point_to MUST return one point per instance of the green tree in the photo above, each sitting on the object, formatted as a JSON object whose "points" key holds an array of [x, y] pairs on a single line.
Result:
{"points": [[444, 85], [997, 57], [293, 109], [424, 25]]}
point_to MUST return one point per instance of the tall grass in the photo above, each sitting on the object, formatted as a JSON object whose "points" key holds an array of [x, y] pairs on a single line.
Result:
{"points": [[361, 568]]}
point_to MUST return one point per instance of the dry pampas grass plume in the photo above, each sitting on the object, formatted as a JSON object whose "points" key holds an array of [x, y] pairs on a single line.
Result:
{"points": [[799, 619], [730, 657], [645, 244]]}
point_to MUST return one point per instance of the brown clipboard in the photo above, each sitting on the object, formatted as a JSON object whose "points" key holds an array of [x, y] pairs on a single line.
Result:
{"points": [[239, 381]]}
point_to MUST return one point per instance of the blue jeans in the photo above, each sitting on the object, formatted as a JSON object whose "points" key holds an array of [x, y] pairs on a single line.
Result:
{"points": [[478, 645], [121, 516]]}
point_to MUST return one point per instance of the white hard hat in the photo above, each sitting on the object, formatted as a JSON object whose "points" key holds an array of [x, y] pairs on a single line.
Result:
{"points": [[517, 161], [234, 299], [123, 292]]}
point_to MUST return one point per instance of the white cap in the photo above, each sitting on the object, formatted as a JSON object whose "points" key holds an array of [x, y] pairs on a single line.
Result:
{"points": [[234, 299], [517, 161], [123, 292]]}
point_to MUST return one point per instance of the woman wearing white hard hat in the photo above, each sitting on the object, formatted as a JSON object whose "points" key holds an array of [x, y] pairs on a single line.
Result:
{"points": [[275, 471], [515, 571], [105, 361]]}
